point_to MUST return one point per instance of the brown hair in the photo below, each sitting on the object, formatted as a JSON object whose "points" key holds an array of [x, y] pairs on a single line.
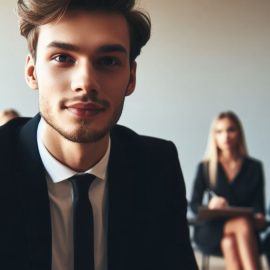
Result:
{"points": [[34, 13], [212, 152]]}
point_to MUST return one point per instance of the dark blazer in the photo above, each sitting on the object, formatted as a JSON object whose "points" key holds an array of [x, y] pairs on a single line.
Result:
{"points": [[147, 227]]}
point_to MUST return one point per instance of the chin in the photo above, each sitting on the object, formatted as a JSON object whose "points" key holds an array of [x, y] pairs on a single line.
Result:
{"points": [[84, 135]]}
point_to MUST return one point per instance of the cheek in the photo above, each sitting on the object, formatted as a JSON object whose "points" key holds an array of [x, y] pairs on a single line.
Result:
{"points": [[119, 81], [219, 141], [51, 84], [46, 101], [235, 138], [50, 78], [116, 100], [49, 97], [116, 92], [233, 135]]}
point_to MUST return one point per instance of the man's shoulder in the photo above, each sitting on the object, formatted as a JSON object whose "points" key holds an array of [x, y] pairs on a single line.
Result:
{"points": [[141, 143], [126, 134], [12, 128], [9, 134]]}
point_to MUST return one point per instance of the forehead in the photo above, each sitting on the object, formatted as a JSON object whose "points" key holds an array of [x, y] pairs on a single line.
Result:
{"points": [[225, 122], [86, 29]]}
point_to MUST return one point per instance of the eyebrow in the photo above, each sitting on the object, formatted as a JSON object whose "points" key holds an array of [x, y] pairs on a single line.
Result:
{"points": [[102, 49], [62, 45]]}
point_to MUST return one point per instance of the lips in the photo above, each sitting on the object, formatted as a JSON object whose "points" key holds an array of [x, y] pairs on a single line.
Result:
{"points": [[85, 110]]}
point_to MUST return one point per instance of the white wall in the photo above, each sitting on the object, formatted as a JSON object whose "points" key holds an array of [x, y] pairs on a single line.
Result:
{"points": [[204, 56]]}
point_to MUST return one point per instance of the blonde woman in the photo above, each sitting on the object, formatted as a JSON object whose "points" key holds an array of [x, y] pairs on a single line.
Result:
{"points": [[236, 180]]}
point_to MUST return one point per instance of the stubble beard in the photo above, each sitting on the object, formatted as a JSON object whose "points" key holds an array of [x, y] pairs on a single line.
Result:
{"points": [[84, 134]]}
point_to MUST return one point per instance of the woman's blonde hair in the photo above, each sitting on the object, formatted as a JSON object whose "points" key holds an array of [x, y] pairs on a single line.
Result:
{"points": [[212, 152]]}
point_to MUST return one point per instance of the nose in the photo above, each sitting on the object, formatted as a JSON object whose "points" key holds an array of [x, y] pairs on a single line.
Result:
{"points": [[84, 78]]}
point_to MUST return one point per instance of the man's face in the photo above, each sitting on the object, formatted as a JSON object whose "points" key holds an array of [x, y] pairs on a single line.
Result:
{"points": [[83, 73]]}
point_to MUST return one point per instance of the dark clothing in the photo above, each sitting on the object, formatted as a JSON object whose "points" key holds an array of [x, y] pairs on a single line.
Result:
{"points": [[147, 227], [266, 247], [246, 190]]}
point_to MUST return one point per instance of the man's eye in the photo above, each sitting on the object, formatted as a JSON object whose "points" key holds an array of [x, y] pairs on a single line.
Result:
{"points": [[109, 61], [62, 58]]}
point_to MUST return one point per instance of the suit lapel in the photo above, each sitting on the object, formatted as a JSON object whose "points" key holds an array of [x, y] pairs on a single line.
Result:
{"points": [[35, 200], [120, 205]]}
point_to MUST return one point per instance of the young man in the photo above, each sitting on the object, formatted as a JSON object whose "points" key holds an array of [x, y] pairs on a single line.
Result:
{"points": [[82, 62]]}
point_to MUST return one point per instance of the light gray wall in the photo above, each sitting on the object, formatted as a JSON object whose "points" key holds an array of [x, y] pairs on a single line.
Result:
{"points": [[13, 90], [204, 56]]}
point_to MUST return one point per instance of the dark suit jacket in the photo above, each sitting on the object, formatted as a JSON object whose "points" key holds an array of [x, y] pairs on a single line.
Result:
{"points": [[147, 226]]}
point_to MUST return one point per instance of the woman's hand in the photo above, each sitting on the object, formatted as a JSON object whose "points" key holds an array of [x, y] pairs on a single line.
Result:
{"points": [[260, 221], [218, 203]]}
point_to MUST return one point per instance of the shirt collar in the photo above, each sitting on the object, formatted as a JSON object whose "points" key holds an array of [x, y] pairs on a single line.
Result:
{"points": [[58, 171]]}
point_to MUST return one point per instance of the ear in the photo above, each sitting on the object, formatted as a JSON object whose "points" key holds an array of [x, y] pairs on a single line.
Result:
{"points": [[30, 72], [132, 79]]}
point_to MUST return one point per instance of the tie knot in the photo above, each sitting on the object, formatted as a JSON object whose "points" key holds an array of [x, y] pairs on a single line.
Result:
{"points": [[81, 184]]}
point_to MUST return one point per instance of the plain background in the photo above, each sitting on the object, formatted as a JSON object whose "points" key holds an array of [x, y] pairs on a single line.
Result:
{"points": [[204, 56]]}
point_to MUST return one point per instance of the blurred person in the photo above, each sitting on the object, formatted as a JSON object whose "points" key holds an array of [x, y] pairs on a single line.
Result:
{"points": [[7, 115], [235, 179]]}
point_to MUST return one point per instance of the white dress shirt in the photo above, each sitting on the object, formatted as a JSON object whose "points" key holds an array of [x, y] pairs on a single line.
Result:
{"points": [[61, 196]]}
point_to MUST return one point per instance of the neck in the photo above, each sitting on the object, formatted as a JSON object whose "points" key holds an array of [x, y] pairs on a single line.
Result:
{"points": [[230, 155], [77, 156]]}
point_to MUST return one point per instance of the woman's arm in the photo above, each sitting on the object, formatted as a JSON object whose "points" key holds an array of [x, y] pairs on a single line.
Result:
{"points": [[199, 186]]}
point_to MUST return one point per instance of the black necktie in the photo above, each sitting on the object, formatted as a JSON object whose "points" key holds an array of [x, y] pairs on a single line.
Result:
{"points": [[83, 230]]}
